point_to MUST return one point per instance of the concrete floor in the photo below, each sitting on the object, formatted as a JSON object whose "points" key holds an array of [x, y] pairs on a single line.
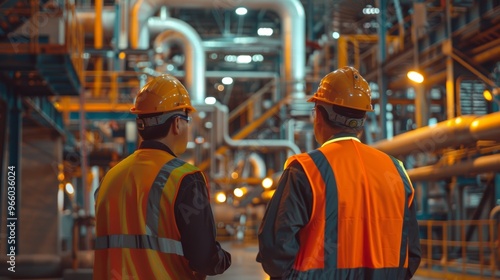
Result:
{"points": [[244, 266]]}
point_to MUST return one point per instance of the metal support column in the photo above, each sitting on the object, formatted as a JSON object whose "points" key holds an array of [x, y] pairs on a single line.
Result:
{"points": [[382, 80], [497, 189], [450, 76]]}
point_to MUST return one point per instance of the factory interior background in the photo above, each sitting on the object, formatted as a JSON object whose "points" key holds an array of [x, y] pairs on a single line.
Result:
{"points": [[70, 70]]}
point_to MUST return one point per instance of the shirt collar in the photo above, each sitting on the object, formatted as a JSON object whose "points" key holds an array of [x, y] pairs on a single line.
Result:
{"points": [[340, 137], [151, 144]]}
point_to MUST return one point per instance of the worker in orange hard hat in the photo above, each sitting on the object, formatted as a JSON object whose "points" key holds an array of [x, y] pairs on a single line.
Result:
{"points": [[344, 210], [153, 215]]}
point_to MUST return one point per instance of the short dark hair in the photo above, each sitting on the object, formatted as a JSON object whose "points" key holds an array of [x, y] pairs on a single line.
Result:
{"points": [[346, 112], [157, 131]]}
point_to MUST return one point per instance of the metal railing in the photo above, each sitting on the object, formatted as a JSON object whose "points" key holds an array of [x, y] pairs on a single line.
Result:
{"points": [[460, 248]]}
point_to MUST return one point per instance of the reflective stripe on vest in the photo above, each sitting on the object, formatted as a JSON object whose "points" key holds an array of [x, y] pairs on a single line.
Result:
{"points": [[130, 241], [155, 194], [334, 253]]}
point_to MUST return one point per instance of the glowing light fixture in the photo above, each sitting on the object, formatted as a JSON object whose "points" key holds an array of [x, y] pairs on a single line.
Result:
{"points": [[220, 197], [265, 31], [227, 80], [415, 76], [243, 59], [238, 192], [335, 35], [487, 95], [241, 11], [69, 188], [267, 183], [370, 10], [210, 100]]}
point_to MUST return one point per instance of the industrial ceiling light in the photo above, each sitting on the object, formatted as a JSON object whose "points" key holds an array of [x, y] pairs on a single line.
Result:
{"points": [[241, 11], [491, 95], [487, 95], [415, 76]]}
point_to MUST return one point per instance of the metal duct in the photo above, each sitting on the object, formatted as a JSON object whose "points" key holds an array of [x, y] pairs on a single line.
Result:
{"points": [[463, 130], [87, 20], [292, 15], [479, 165], [180, 32], [248, 143]]}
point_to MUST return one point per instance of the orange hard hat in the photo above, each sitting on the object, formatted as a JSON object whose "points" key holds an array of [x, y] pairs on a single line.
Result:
{"points": [[162, 94], [344, 87]]}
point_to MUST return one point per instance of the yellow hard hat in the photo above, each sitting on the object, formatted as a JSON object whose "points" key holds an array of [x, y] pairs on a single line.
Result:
{"points": [[162, 94], [344, 87]]}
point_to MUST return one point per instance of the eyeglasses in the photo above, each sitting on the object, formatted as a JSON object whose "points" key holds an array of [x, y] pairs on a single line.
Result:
{"points": [[313, 113], [186, 118]]}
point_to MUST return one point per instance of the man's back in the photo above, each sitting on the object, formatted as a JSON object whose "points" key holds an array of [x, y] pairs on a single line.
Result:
{"points": [[124, 206]]}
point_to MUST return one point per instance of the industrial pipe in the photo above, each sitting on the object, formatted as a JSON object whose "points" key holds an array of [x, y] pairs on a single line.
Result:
{"points": [[291, 12], [483, 164], [249, 143], [178, 31], [462, 130]]}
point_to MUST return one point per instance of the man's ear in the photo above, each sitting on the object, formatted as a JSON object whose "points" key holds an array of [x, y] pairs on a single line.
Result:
{"points": [[175, 126]]}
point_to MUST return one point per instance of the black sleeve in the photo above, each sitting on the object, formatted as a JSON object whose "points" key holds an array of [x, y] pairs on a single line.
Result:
{"points": [[196, 225], [414, 250], [287, 212]]}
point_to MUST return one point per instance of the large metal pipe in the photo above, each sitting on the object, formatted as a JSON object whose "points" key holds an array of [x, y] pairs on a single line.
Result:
{"points": [[462, 130], [251, 143], [490, 163], [180, 32], [293, 22], [87, 19]]}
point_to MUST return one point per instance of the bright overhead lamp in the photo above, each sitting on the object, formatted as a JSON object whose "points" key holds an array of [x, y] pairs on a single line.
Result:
{"points": [[487, 95], [415, 76], [227, 80], [241, 11], [265, 31], [267, 183], [491, 95]]}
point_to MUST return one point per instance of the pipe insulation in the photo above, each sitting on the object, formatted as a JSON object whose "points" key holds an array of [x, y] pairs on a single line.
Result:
{"points": [[464, 130], [291, 12], [274, 144], [483, 164], [178, 31]]}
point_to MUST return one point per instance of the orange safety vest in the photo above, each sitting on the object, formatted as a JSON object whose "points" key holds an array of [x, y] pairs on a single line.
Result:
{"points": [[136, 231], [360, 209]]}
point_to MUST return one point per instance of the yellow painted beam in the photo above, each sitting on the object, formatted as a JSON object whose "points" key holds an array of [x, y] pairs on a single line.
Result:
{"points": [[98, 107]]}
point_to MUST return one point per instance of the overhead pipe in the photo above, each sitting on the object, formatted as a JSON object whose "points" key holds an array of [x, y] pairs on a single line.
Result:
{"points": [[88, 21], [292, 15], [483, 164], [462, 130], [180, 32], [250, 143]]}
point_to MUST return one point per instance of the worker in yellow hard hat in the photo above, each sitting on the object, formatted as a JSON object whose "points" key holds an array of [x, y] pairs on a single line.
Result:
{"points": [[344, 210], [153, 215]]}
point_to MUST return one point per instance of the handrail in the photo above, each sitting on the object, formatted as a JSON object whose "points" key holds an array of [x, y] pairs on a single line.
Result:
{"points": [[478, 257], [239, 110]]}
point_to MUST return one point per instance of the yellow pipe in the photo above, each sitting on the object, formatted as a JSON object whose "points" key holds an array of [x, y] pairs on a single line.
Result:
{"points": [[98, 39], [342, 52], [98, 24]]}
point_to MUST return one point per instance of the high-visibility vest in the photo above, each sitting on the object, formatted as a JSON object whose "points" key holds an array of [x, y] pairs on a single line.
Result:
{"points": [[136, 230], [360, 209]]}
